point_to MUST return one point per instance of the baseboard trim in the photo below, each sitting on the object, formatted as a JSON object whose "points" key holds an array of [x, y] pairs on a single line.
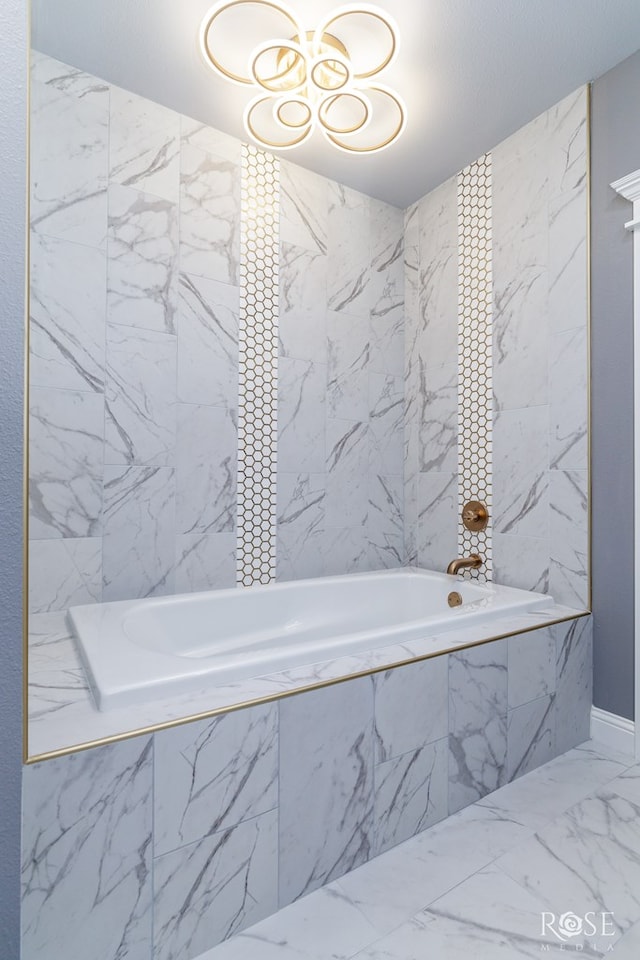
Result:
{"points": [[613, 731]]}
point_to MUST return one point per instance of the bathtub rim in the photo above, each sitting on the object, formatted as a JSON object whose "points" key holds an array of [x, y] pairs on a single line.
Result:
{"points": [[571, 615]]}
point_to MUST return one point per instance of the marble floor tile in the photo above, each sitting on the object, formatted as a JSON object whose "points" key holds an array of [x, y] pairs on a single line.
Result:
{"points": [[392, 888], [439, 895], [323, 926], [588, 859], [487, 917]]}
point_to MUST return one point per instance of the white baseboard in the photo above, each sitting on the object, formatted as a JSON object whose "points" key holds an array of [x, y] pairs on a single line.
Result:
{"points": [[613, 731]]}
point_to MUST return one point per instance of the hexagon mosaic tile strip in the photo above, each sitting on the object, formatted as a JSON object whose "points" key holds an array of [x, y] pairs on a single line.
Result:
{"points": [[475, 393], [258, 368]]}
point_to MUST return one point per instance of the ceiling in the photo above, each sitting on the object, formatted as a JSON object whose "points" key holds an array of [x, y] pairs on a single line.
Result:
{"points": [[470, 71]]}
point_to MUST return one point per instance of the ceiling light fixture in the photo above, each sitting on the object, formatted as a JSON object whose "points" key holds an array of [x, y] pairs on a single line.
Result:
{"points": [[321, 79]]}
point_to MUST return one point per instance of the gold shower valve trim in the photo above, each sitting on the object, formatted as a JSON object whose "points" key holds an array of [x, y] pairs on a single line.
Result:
{"points": [[475, 516], [308, 80]]}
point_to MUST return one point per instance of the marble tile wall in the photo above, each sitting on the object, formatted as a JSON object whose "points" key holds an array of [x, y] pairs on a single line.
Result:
{"points": [[340, 460], [164, 845], [540, 365], [134, 371]]}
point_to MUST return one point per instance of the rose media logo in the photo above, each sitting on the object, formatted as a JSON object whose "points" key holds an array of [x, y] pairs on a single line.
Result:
{"points": [[567, 927]]}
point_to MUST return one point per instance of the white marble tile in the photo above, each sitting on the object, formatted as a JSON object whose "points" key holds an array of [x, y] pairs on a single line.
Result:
{"points": [[437, 533], [411, 794], [86, 848], [386, 551], [585, 860], [301, 416], [349, 288], [65, 463], [574, 681], [50, 77], [411, 707], [520, 472], [520, 277], [345, 550], [213, 888], [487, 916], [142, 271], [385, 512], [567, 144], [139, 532], [140, 425], [326, 786], [304, 207], [477, 722], [547, 792], [301, 509], [568, 264], [204, 137], [322, 926], [302, 298], [522, 562], [387, 283], [209, 215], [205, 562], [437, 328], [348, 457], [348, 366], [67, 315], [628, 946], [206, 459], [569, 505], [393, 887], [208, 316], [438, 418], [386, 423], [63, 573], [531, 736], [532, 666], [69, 154], [144, 145], [627, 785], [214, 774], [56, 675], [569, 400]]}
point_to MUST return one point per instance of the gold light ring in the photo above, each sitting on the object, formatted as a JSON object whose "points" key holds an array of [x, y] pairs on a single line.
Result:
{"points": [[215, 12], [365, 11], [264, 141], [286, 123], [326, 105], [385, 143], [328, 58], [264, 82]]}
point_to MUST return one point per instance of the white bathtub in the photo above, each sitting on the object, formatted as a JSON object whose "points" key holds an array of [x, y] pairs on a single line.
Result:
{"points": [[139, 650]]}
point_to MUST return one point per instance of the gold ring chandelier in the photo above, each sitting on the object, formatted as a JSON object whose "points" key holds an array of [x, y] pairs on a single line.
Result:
{"points": [[308, 80]]}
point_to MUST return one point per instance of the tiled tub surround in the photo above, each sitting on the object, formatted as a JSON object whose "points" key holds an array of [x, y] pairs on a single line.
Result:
{"points": [[135, 297], [539, 370], [184, 837], [62, 713]]}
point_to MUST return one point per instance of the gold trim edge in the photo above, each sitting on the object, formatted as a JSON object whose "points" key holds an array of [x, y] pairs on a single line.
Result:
{"points": [[27, 405], [285, 694]]}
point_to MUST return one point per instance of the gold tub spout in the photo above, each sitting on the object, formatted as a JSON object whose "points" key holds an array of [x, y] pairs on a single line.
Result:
{"points": [[472, 562]]}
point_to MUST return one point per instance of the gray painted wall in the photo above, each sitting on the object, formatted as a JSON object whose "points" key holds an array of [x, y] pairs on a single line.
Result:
{"points": [[13, 111], [615, 153]]}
